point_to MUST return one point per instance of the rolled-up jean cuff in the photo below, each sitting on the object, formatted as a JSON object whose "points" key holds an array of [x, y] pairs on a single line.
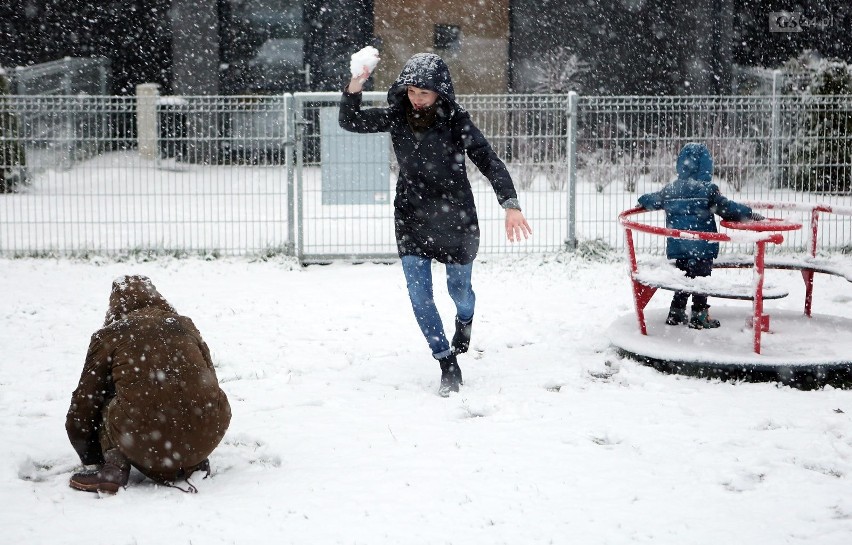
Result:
{"points": [[444, 354]]}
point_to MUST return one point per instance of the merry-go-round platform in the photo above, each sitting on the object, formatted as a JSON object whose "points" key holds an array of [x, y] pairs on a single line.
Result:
{"points": [[801, 349]]}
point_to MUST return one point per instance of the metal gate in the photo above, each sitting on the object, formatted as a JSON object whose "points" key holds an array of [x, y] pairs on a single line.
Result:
{"points": [[344, 210]]}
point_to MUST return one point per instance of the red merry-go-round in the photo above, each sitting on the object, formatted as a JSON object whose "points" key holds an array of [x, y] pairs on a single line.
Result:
{"points": [[794, 348]]}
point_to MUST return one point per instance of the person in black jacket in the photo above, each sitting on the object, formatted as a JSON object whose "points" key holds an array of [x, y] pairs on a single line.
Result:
{"points": [[434, 211]]}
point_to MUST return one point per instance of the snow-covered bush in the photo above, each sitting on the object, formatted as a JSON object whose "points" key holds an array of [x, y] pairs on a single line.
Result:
{"points": [[597, 167], [629, 164], [559, 72], [821, 153], [736, 158]]}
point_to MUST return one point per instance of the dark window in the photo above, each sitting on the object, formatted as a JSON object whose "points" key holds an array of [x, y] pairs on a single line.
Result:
{"points": [[447, 36], [264, 49]]}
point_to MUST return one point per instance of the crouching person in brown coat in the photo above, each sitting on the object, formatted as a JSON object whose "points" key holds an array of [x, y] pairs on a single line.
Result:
{"points": [[148, 395]]}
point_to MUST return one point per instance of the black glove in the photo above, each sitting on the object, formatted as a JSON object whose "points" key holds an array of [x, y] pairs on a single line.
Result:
{"points": [[757, 217]]}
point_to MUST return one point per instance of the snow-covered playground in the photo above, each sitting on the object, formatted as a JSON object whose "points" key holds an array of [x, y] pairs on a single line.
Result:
{"points": [[338, 435]]}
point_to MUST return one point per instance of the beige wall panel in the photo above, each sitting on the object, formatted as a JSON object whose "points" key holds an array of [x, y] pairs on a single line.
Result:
{"points": [[479, 65]]}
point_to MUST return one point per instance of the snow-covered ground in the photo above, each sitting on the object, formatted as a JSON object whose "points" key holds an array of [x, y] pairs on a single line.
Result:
{"points": [[338, 436]]}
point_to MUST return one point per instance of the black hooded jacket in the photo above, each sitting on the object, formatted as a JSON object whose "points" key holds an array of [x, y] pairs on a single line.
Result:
{"points": [[434, 210]]}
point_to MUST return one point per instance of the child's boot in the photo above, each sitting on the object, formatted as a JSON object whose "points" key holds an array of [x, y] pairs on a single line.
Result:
{"points": [[677, 316], [701, 320]]}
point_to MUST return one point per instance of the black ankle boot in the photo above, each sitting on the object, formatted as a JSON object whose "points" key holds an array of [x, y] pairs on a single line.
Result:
{"points": [[451, 377], [461, 338]]}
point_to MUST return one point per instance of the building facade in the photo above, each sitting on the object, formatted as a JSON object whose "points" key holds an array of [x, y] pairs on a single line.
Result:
{"points": [[640, 47], [472, 37]]}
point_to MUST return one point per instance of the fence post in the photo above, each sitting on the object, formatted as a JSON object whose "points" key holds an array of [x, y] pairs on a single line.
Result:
{"points": [[69, 132], [290, 152], [775, 137], [146, 119], [571, 240], [299, 122]]}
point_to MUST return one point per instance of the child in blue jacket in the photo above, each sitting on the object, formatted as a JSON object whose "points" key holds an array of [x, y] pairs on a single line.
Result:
{"points": [[690, 203]]}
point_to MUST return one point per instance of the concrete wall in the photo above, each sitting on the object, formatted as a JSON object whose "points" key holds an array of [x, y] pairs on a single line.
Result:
{"points": [[195, 47]]}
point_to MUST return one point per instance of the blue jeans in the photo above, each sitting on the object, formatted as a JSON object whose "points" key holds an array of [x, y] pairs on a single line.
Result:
{"points": [[418, 276]]}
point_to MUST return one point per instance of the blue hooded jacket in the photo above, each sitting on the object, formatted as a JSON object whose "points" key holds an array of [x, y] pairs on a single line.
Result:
{"points": [[690, 203]]}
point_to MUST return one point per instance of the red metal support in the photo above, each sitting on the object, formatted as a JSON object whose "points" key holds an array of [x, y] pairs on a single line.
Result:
{"points": [[808, 277], [641, 293], [759, 321], [814, 225]]}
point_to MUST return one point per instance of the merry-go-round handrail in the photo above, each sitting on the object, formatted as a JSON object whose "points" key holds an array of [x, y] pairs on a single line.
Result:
{"points": [[642, 294]]}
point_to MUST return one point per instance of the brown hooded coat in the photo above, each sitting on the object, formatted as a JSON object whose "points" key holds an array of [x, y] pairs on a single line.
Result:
{"points": [[148, 387]]}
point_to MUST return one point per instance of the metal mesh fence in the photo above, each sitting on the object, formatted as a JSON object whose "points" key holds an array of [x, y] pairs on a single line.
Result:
{"points": [[528, 132], [780, 149], [222, 175], [345, 185], [215, 184]]}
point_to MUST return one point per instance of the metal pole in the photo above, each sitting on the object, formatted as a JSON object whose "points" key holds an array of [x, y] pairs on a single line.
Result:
{"points": [[640, 293], [68, 136], [571, 240], [758, 320], [289, 134], [775, 138], [298, 135]]}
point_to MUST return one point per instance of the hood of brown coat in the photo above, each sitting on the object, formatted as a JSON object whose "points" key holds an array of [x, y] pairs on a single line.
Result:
{"points": [[131, 293]]}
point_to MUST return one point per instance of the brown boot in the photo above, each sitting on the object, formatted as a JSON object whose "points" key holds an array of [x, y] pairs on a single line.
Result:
{"points": [[109, 478]]}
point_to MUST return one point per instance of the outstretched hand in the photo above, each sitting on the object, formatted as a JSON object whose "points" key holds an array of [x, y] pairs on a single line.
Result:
{"points": [[516, 225]]}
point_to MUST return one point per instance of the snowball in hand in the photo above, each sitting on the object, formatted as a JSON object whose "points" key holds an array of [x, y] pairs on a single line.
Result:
{"points": [[367, 57]]}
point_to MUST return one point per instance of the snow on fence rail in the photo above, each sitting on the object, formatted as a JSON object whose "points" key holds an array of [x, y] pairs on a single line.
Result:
{"points": [[243, 175]]}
